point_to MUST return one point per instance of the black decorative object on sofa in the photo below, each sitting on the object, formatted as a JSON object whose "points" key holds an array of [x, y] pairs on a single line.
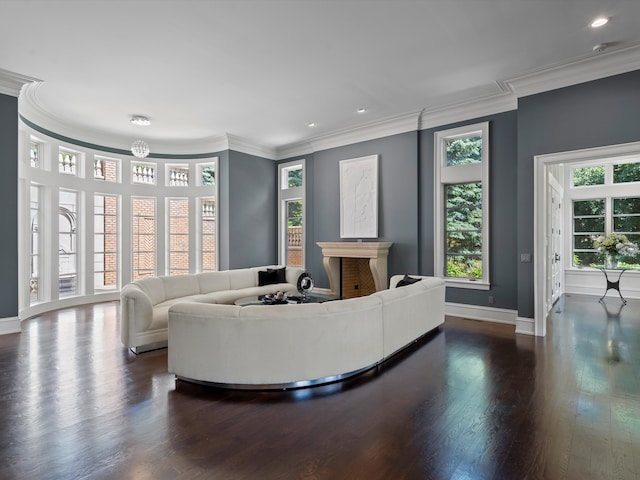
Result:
{"points": [[271, 276], [407, 280]]}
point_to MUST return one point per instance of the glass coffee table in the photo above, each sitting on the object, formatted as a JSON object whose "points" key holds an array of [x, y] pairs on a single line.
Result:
{"points": [[291, 299]]}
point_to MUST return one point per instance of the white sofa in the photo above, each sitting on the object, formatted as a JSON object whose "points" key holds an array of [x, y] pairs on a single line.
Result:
{"points": [[144, 304], [295, 345]]}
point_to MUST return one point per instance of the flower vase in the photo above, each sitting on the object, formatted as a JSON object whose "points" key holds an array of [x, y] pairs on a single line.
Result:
{"points": [[610, 261]]}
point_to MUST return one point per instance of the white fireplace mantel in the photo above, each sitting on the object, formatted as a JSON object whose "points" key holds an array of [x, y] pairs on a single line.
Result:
{"points": [[376, 252]]}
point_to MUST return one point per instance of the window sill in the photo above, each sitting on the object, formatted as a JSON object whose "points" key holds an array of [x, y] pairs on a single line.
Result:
{"points": [[469, 284]]}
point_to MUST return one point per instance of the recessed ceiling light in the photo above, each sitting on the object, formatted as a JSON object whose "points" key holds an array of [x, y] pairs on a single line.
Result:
{"points": [[140, 120], [600, 21], [361, 110], [311, 124]]}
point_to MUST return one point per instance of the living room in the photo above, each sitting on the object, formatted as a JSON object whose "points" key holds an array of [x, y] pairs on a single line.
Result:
{"points": [[591, 101]]}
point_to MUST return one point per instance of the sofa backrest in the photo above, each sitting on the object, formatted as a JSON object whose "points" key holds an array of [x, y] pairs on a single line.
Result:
{"points": [[180, 286], [410, 311], [213, 281], [153, 287], [243, 277]]}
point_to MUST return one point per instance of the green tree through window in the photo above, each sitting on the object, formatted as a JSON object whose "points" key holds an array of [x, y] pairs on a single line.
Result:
{"points": [[463, 233]]}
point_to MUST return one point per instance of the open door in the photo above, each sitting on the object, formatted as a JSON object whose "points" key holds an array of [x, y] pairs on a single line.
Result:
{"points": [[555, 262]]}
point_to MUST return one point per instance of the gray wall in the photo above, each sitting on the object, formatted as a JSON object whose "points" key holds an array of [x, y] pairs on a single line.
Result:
{"points": [[397, 207], [9, 201], [502, 213], [250, 204], [593, 114]]}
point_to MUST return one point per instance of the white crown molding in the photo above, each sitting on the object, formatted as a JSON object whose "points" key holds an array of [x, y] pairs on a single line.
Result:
{"points": [[293, 150], [244, 145], [386, 127], [11, 83], [590, 67], [501, 102]]}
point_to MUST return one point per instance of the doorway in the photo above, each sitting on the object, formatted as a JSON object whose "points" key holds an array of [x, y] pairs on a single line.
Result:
{"points": [[545, 235]]}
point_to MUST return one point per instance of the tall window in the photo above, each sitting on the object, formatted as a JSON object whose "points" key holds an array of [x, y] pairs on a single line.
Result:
{"points": [[208, 235], [143, 215], [67, 242], [291, 192], [105, 242], [178, 236], [604, 200], [462, 206], [34, 247]]}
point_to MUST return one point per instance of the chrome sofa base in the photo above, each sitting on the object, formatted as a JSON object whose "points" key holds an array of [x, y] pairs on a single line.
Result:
{"points": [[149, 347]]}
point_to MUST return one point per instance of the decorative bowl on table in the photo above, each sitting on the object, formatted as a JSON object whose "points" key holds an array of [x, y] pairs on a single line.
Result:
{"points": [[278, 298]]}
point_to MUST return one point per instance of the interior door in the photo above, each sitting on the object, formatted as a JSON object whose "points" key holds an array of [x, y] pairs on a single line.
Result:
{"points": [[555, 265]]}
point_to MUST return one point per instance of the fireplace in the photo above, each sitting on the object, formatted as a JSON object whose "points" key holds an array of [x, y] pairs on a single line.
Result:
{"points": [[355, 268]]}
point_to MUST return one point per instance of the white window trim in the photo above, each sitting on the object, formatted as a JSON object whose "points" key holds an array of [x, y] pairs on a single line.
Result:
{"points": [[606, 191], [445, 175], [284, 195]]}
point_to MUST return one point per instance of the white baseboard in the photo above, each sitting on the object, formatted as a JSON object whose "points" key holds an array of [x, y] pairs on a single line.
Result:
{"points": [[40, 308], [9, 325], [525, 326], [476, 312]]}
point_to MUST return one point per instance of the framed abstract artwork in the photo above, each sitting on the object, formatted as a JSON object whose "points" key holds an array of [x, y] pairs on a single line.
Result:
{"points": [[359, 197]]}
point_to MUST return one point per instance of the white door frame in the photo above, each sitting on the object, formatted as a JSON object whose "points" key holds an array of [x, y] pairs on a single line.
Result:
{"points": [[540, 181]]}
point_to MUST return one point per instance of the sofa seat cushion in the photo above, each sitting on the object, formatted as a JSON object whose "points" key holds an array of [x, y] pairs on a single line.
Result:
{"points": [[225, 297], [161, 311]]}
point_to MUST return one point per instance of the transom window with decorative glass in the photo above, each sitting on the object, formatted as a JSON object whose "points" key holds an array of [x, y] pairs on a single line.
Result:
{"points": [[105, 169], [207, 174], [34, 154], [68, 161], [462, 206], [605, 199]]}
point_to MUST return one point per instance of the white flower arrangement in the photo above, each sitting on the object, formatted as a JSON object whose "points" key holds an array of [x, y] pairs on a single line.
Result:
{"points": [[614, 244]]}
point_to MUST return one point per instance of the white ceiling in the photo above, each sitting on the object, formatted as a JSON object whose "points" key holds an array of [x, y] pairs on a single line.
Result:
{"points": [[262, 69]]}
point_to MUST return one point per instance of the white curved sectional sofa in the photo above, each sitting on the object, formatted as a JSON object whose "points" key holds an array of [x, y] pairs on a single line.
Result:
{"points": [[296, 345], [144, 304]]}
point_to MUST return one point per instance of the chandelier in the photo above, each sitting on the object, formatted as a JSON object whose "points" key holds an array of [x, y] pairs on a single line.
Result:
{"points": [[140, 148]]}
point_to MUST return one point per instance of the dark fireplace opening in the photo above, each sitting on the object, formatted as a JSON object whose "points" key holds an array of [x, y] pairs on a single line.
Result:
{"points": [[356, 279]]}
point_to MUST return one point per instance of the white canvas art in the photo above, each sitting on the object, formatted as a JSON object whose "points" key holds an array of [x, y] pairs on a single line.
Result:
{"points": [[359, 197]]}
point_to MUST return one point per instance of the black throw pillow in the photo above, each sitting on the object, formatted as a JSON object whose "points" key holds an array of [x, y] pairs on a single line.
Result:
{"points": [[272, 276], [280, 274], [267, 277], [407, 280]]}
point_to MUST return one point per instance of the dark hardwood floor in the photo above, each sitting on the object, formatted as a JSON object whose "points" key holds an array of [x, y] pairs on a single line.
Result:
{"points": [[472, 401]]}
